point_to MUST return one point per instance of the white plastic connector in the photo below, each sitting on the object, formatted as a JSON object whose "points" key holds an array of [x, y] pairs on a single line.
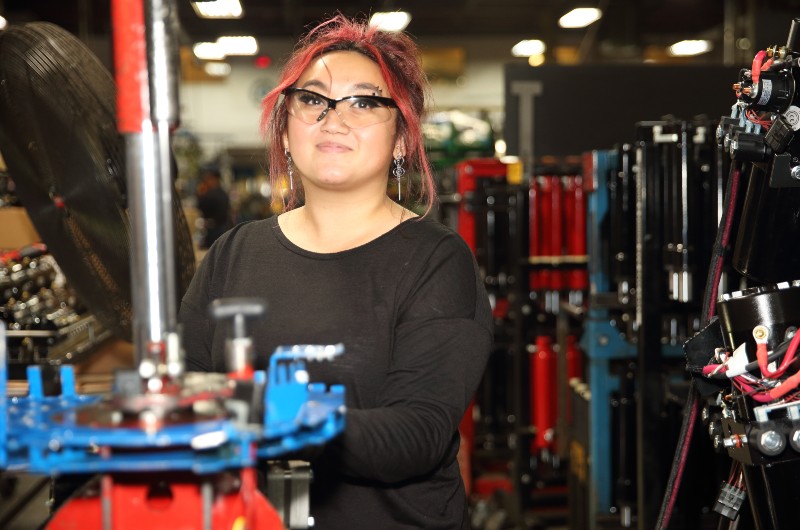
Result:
{"points": [[737, 364]]}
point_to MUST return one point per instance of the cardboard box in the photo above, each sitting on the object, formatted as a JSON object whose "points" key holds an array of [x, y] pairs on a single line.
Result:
{"points": [[16, 229]]}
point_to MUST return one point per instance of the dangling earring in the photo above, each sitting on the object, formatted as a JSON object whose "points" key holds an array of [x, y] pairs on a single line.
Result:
{"points": [[398, 172], [290, 168]]}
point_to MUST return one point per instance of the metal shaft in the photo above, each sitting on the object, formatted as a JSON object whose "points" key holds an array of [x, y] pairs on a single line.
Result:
{"points": [[146, 58]]}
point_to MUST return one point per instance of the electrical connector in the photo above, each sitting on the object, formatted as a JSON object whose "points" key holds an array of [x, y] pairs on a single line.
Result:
{"points": [[729, 501]]}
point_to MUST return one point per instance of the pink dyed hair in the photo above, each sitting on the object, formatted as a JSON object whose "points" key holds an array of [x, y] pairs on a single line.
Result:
{"points": [[396, 55]]}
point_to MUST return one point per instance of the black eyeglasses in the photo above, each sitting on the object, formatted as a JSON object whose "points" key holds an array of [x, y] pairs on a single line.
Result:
{"points": [[357, 111]]}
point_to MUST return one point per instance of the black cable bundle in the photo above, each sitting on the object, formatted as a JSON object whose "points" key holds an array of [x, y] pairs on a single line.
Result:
{"points": [[720, 251]]}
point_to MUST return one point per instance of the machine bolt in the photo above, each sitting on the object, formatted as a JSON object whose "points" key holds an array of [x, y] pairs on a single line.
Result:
{"points": [[795, 441], [714, 428], [734, 441], [760, 333], [771, 442], [795, 173]]}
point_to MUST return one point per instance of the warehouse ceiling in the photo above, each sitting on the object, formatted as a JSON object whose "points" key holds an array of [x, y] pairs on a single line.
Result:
{"points": [[630, 25]]}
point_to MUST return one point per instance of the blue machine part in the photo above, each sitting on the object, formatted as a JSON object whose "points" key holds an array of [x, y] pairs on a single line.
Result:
{"points": [[602, 342], [603, 162], [50, 434]]}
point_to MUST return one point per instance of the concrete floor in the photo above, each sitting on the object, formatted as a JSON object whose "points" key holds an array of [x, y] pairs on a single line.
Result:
{"points": [[26, 508]]}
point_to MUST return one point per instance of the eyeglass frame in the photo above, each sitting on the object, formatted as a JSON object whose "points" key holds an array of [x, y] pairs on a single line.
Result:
{"points": [[387, 102]]}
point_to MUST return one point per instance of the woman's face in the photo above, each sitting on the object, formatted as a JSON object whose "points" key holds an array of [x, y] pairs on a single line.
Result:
{"points": [[329, 154]]}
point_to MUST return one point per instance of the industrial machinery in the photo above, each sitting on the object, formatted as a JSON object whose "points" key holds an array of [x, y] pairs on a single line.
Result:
{"points": [[744, 361], [651, 209], [46, 322], [165, 448]]}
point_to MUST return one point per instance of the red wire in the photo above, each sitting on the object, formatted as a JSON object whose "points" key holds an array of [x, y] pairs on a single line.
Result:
{"points": [[788, 357], [707, 369], [789, 384], [726, 232], [682, 463], [751, 115], [748, 390], [755, 71]]}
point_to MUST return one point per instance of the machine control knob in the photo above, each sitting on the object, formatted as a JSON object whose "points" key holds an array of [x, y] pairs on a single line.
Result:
{"points": [[771, 442], [238, 310], [238, 348]]}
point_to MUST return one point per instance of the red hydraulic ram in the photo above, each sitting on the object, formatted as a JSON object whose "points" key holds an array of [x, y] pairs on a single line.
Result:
{"points": [[543, 394], [575, 227]]}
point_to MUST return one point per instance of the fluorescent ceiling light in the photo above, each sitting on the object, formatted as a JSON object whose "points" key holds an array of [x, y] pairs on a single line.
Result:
{"points": [[225, 46], [580, 17], [208, 51], [526, 48], [686, 48], [390, 21], [217, 68], [218, 9], [240, 45]]}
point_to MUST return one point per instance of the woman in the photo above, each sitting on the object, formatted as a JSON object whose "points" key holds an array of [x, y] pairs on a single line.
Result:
{"points": [[351, 265]]}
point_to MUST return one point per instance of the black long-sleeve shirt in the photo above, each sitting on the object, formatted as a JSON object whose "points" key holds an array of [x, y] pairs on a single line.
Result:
{"points": [[412, 313]]}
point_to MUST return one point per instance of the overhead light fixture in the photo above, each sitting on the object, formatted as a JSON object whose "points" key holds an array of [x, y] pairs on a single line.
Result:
{"points": [[686, 48], [217, 68], [580, 17], [224, 47], [3, 23], [238, 45], [526, 48], [208, 51], [390, 21], [536, 60], [218, 9]]}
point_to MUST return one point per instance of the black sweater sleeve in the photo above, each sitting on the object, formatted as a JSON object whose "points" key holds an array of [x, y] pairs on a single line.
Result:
{"points": [[441, 345], [195, 321]]}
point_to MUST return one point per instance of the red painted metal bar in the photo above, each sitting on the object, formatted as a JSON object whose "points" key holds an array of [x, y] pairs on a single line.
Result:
{"points": [[130, 65]]}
